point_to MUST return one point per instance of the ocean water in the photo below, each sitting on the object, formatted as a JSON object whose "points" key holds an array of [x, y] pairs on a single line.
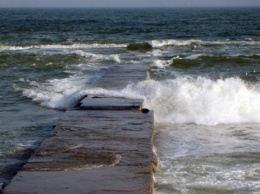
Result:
{"points": [[203, 85]]}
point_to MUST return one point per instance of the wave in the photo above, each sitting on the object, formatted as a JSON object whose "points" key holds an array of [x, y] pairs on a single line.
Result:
{"points": [[112, 57], [57, 58], [196, 42], [147, 45], [200, 59], [181, 100], [201, 100], [56, 93], [61, 46]]}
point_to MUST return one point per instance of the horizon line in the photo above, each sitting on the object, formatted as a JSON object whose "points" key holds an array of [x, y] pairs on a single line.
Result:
{"points": [[120, 7]]}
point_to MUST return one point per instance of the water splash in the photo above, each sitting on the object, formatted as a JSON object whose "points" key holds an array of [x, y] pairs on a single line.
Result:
{"points": [[181, 100]]}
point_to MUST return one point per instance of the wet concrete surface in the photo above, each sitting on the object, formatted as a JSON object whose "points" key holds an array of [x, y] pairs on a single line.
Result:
{"points": [[103, 146], [109, 103], [92, 152]]}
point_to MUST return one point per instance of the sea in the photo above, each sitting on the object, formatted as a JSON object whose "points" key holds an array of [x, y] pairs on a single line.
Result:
{"points": [[203, 85]]}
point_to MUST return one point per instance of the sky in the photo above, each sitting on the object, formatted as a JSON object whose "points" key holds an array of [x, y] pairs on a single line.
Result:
{"points": [[129, 3]]}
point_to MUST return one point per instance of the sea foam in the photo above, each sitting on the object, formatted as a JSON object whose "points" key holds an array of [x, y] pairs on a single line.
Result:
{"points": [[202, 101], [61, 46], [190, 42], [196, 100], [181, 100]]}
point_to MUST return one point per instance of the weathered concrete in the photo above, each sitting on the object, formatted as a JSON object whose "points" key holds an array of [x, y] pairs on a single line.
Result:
{"points": [[92, 152], [108, 103], [103, 146], [105, 180]]}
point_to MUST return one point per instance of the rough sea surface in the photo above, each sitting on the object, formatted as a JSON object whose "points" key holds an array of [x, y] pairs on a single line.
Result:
{"points": [[204, 85]]}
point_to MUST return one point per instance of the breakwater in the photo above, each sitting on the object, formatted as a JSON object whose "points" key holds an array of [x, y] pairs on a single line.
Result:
{"points": [[103, 145]]}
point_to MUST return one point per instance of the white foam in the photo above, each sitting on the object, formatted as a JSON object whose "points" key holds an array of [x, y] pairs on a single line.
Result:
{"points": [[174, 42], [171, 42], [115, 57], [195, 56], [14, 48], [203, 101], [180, 100], [154, 43], [156, 53], [159, 63], [56, 93], [81, 46], [60, 46], [200, 101]]}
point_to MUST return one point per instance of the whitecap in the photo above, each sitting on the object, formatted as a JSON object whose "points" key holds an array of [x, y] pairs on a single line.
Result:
{"points": [[181, 100]]}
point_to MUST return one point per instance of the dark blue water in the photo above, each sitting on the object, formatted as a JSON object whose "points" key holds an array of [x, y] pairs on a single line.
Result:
{"points": [[204, 85], [39, 26]]}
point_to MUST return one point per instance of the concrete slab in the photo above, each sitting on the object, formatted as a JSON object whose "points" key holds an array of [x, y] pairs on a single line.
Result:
{"points": [[92, 152], [104, 146], [106, 180], [110, 103]]}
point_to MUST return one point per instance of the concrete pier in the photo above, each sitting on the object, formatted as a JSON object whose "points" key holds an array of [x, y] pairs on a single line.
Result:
{"points": [[105, 145]]}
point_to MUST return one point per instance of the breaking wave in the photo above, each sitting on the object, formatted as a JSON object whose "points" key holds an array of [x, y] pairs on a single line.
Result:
{"points": [[191, 42], [181, 100], [61, 46]]}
